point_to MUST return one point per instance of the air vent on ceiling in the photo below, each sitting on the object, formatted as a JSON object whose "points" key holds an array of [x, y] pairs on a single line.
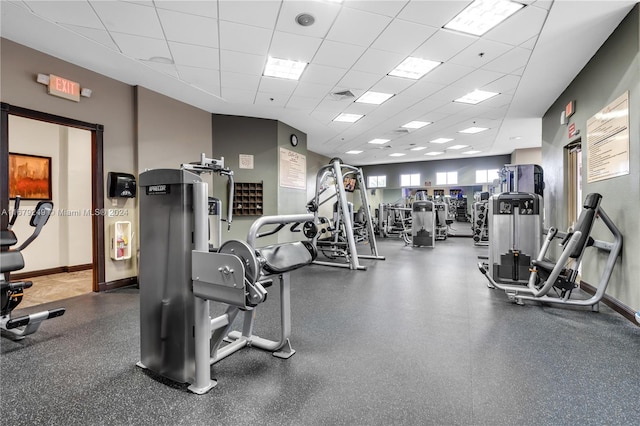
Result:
{"points": [[345, 94], [401, 131]]}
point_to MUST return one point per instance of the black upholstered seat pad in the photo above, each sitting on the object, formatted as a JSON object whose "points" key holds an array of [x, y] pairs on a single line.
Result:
{"points": [[287, 257], [11, 261], [7, 238]]}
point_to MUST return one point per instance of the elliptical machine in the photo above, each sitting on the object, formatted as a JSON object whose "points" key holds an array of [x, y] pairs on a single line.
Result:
{"points": [[11, 260]]}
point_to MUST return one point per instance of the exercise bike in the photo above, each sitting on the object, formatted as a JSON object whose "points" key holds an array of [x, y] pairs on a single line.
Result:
{"points": [[11, 293]]}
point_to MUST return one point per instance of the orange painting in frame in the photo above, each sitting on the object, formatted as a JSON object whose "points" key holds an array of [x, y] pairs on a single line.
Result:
{"points": [[29, 176]]}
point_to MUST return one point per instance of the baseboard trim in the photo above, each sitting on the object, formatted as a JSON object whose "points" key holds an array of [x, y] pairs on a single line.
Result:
{"points": [[614, 304], [112, 285], [51, 271]]}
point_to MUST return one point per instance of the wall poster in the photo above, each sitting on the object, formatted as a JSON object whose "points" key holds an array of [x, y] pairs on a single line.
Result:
{"points": [[293, 169], [608, 141]]}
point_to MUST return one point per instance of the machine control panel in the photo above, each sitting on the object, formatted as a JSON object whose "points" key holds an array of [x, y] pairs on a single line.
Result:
{"points": [[512, 202]]}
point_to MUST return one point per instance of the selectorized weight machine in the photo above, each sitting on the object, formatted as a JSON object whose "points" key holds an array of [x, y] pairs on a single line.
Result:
{"points": [[181, 273]]}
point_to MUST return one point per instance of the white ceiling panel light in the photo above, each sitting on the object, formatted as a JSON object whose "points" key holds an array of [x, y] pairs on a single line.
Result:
{"points": [[397, 154], [284, 68], [432, 153], [473, 130], [354, 152], [482, 15], [415, 124], [375, 98], [473, 151], [457, 146], [418, 148], [476, 97], [414, 68], [379, 141], [348, 118], [440, 140]]}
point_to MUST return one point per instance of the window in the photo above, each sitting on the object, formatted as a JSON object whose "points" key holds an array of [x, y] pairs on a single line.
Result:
{"points": [[486, 176], [410, 180], [377, 181], [447, 178]]}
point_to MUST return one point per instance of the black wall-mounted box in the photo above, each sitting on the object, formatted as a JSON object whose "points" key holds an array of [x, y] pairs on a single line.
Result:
{"points": [[121, 185]]}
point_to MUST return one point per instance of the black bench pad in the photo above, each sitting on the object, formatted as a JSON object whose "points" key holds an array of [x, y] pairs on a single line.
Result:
{"points": [[11, 261], [286, 257]]}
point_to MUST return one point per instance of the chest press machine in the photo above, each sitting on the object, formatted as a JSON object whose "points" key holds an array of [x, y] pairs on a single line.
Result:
{"points": [[180, 274]]}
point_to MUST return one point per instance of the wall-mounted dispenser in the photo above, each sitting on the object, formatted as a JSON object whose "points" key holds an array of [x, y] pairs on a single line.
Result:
{"points": [[121, 185]]}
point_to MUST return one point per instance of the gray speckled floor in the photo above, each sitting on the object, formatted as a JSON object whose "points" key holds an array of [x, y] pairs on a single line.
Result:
{"points": [[416, 339]]}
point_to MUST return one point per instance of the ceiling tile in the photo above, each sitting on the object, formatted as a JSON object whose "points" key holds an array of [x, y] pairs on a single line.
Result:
{"points": [[324, 13], [255, 13], [205, 79], [191, 29], [242, 62], [271, 99], [326, 117], [530, 44], [338, 55], [169, 69], [244, 38], [378, 61], [335, 107], [544, 4], [129, 18], [322, 74], [283, 88], [318, 91], [444, 45], [381, 7], [235, 80], [141, 47], [293, 47], [503, 84], [520, 27], [512, 60], [358, 80], [432, 13], [195, 56], [198, 8], [425, 87], [99, 36], [477, 79], [63, 12], [348, 27], [403, 37], [238, 96], [393, 85], [302, 102], [480, 53], [447, 73]]}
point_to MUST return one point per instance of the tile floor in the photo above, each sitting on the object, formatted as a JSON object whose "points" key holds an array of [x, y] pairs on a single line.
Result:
{"points": [[50, 288]]}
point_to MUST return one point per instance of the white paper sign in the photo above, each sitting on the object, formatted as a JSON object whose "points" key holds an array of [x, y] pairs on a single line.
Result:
{"points": [[245, 161], [293, 169], [608, 141]]}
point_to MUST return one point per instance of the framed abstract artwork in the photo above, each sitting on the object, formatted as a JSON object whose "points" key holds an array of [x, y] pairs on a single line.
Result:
{"points": [[29, 176]]}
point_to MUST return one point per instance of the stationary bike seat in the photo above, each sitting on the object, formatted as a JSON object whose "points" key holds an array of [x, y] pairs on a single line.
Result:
{"points": [[7, 238], [11, 261]]}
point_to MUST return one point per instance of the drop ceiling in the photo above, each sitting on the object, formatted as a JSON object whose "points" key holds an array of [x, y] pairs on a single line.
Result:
{"points": [[211, 54]]}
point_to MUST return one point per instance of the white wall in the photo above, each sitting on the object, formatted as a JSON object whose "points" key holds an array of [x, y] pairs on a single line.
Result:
{"points": [[65, 240]]}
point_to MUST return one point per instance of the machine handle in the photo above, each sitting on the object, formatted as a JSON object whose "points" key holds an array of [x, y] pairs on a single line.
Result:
{"points": [[279, 220], [16, 206]]}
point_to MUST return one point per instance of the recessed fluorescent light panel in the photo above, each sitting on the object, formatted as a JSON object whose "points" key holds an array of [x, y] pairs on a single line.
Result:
{"points": [[441, 140], [434, 153], [396, 154], [476, 97], [284, 68], [415, 124], [378, 141], [472, 130], [482, 15], [414, 68], [353, 151], [348, 118], [418, 148], [458, 146], [375, 98], [472, 152]]}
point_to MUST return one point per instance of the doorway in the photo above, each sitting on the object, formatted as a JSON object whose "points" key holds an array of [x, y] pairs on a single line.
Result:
{"points": [[90, 265]]}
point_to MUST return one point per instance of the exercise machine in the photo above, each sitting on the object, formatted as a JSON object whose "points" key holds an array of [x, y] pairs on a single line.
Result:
{"points": [[181, 273], [337, 240], [11, 293], [479, 222], [561, 275], [522, 178], [423, 223], [442, 220]]}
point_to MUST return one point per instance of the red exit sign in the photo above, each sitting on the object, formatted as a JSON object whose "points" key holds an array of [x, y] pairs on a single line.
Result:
{"points": [[64, 88]]}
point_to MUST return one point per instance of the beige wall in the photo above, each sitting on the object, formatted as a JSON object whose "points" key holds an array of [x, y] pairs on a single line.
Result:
{"points": [[527, 156]]}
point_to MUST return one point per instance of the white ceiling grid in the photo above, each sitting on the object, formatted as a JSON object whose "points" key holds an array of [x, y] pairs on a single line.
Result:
{"points": [[212, 54]]}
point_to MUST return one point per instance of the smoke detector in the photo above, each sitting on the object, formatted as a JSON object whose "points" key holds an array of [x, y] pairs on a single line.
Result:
{"points": [[305, 19]]}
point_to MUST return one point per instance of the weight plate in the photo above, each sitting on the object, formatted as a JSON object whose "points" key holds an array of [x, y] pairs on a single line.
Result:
{"points": [[246, 254]]}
